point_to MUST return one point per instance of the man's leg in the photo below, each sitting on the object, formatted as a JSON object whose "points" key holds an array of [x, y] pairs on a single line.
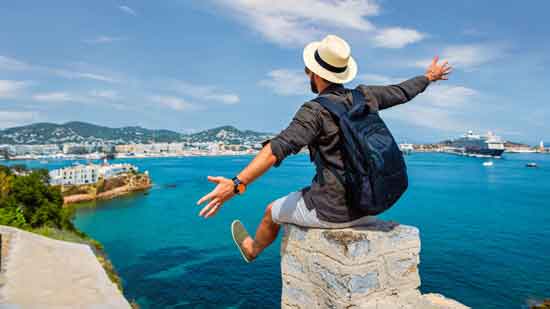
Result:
{"points": [[265, 235]]}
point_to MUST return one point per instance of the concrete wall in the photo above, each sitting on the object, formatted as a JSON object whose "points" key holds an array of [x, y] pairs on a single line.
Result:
{"points": [[39, 272]]}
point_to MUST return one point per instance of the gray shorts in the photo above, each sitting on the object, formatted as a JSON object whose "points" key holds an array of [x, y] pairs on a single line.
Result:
{"points": [[292, 209]]}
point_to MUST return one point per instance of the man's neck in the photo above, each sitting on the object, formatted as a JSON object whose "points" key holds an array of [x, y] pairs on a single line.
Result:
{"points": [[327, 87]]}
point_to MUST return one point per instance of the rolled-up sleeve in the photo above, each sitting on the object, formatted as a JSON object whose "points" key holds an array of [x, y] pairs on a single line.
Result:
{"points": [[302, 130], [388, 96]]}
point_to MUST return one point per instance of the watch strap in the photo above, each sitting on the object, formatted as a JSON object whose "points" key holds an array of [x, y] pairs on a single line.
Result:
{"points": [[236, 183]]}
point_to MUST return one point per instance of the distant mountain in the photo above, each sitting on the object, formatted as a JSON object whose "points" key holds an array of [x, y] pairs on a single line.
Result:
{"points": [[82, 132], [228, 134]]}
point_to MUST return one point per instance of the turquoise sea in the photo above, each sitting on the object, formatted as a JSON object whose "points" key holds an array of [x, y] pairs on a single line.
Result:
{"points": [[485, 231]]}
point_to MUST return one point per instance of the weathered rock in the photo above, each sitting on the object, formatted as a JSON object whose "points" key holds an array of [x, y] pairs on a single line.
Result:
{"points": [[40, 272], [372, 266]]}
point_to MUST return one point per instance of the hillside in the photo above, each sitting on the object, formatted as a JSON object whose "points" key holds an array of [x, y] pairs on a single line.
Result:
{"points": [[228, 134], [82, 132]]}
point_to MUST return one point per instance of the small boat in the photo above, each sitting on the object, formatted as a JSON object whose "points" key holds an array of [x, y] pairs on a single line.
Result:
{"points": [[531, 164], [488, 163]]}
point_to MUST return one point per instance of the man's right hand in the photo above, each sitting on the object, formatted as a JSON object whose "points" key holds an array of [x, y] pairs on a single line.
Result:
{"points": [[223, 192], [437, 71]]}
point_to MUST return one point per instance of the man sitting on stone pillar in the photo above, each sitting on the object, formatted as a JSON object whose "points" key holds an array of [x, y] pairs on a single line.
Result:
{"points": [[328, 65]]}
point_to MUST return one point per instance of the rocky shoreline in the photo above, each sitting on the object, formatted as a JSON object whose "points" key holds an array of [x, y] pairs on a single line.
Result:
{"points": [[106, 190]]}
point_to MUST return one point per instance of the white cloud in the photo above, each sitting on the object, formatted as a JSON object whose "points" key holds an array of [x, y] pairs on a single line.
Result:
{"points": [[85, 75], [439, 107], [11, 88], [103, 39], [105, 94], [377, 79], [291, 23], [174, 103], [109, 98], [286, 82], [10, 119], [8, 63], [448, 96], [203, 92], [427, 117], [127, 10], [397, 37], [466, 57], [55, 97]]}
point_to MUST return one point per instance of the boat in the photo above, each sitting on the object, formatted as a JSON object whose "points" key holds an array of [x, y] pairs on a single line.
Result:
{"points": [[475, 145], [488, 163], [406, 148], [531, 164]]}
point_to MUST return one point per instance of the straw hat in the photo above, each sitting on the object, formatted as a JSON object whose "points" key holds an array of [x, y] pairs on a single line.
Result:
{"points": [[331, 59]]}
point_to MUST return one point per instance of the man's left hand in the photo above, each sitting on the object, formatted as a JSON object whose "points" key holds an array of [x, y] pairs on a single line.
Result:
{"points": [[223, 192], [438, 71]]}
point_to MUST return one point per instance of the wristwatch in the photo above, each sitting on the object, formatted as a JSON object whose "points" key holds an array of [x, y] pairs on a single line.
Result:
{"points": [[238, 186]]}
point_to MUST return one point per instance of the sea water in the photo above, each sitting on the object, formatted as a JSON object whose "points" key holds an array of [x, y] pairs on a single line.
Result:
{"points": [[485, 231]]}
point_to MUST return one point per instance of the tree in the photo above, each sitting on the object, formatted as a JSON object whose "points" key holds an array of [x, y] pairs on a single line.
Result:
{"points": [[6, 180], [29, 201]]}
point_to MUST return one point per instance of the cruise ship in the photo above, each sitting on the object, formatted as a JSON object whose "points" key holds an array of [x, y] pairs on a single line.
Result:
{"points": [[474, 145]]}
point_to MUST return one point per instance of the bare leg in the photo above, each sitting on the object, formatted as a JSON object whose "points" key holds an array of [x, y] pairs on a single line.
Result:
{"points": [[265, 235]]}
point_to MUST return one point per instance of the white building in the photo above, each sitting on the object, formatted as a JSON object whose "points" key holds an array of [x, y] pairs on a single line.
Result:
{"points": [[88, 174]]}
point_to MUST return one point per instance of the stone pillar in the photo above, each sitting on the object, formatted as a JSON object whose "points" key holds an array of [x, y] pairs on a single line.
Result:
{"points": [[372, 266]]}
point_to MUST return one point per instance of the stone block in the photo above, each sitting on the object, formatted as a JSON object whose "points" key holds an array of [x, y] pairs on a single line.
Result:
{"points": [[371, 266]]}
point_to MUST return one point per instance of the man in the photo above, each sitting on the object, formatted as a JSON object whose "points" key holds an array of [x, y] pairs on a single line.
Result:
{"points": [[328, 65]]}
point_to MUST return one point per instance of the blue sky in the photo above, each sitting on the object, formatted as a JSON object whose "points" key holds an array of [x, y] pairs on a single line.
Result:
{"points": [[190, 65]]}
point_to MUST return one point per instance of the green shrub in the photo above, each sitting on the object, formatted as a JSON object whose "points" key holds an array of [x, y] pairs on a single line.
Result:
{"points": [[13, 217], [29, 201]]}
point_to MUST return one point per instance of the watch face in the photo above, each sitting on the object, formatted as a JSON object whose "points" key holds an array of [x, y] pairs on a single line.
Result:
{"points": [[241, 187]]}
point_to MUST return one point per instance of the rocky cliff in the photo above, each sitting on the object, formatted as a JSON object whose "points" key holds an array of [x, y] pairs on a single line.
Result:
{"points": [[373, 266], [106, 189]]}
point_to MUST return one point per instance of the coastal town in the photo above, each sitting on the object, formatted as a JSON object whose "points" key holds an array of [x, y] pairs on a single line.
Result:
{"points": [[86, 141], [76, 140]]}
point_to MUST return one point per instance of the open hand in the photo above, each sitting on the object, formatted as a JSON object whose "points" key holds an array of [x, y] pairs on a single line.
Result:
{"points": [[437, 71], [223, 192]]}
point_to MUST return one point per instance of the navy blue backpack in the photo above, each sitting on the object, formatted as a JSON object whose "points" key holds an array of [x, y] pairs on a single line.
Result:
{"points": [[375, 174]]}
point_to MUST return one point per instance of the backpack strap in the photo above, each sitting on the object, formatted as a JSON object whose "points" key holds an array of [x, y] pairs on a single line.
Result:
{"points": [[334, 108], [359, 103], [337, 110]]}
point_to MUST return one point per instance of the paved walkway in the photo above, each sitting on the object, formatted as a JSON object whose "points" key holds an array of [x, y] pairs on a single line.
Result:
{"points": [[40, 272]]}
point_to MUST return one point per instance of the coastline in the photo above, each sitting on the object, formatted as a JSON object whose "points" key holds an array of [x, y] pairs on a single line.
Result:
{"points": [[130, 184], [107, 195], [185, 155]]}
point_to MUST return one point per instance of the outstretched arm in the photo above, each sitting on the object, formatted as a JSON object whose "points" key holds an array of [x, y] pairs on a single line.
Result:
{"points": [[263, 161], [388, 96], [301, 131]]}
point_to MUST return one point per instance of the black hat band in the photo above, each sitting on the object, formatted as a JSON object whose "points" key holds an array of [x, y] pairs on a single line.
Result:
{"points": [[328, 66]]}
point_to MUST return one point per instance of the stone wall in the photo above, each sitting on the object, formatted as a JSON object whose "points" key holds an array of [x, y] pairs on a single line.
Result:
{"points": [[373, 266]]}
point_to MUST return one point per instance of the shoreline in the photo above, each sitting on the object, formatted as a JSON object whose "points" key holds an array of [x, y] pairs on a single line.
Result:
{"points": [[106, 189], [73, 199], [83, 157]]}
